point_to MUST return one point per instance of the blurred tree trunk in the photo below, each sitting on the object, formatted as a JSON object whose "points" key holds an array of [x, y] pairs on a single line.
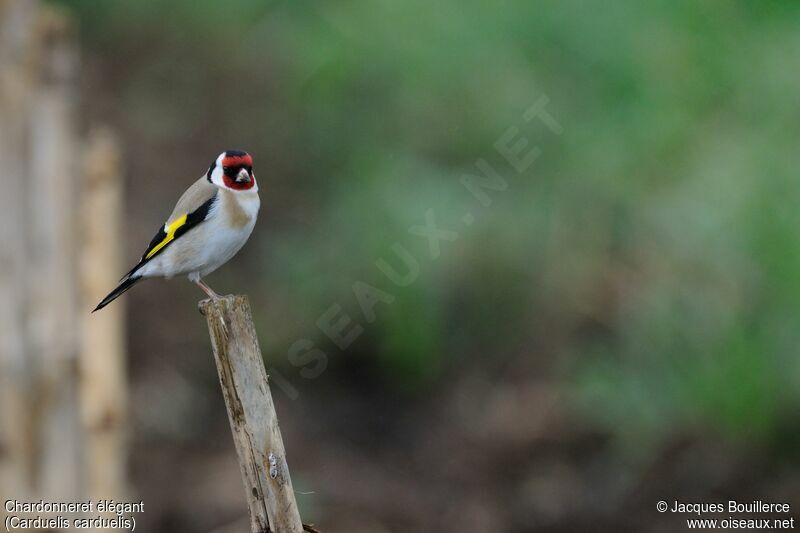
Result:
{"points": [[50, 234], [103, 382], [16, 72], [44, 448]]}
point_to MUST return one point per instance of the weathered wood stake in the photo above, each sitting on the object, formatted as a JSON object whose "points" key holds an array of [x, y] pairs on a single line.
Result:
{"points": [[254, 424]]}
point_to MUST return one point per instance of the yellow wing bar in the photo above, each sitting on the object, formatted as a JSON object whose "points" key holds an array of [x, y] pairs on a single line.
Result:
{"points": [[170, 231]]}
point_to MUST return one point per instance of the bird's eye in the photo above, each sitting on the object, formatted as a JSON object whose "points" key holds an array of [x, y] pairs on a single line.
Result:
{"points": [[226, 169]]}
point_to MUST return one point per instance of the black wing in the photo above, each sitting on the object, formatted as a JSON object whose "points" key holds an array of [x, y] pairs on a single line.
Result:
{"points": [[168, 233]]}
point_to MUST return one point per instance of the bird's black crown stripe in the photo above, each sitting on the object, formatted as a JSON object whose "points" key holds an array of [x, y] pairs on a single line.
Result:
{"points": [[211, 169], [235, 153]]}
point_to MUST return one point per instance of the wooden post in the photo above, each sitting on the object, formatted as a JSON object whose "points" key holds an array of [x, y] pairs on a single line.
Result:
{"points": [[254, 423]]}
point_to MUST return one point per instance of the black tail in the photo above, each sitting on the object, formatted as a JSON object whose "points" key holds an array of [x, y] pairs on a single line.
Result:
{"points": [[116, 293]]}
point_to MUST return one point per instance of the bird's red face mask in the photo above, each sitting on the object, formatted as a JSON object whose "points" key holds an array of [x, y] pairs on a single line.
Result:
{"points": [[237, 172]]}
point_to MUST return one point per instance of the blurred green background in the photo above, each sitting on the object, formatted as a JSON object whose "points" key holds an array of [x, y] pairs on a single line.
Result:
{"points": [[619, 326]]}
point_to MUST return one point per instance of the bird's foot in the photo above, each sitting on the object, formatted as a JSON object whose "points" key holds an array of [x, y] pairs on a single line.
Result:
{"points": [[208, 290], [214, 298]]}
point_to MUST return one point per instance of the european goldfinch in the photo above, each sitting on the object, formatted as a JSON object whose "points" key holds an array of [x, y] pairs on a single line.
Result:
{"points": [[210, 223]]}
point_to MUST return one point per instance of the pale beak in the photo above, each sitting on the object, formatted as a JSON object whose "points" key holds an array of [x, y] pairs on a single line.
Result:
{"points": [[243, 176]]}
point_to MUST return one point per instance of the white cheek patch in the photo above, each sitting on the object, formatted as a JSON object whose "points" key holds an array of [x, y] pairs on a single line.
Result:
{"points": [[216, 174]]}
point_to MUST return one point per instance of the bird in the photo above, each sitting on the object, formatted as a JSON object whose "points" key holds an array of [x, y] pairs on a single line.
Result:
{"points": [[211, 222]]}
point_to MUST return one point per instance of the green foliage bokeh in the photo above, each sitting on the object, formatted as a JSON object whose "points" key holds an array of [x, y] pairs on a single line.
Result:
{"points": [[650, 256]]}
